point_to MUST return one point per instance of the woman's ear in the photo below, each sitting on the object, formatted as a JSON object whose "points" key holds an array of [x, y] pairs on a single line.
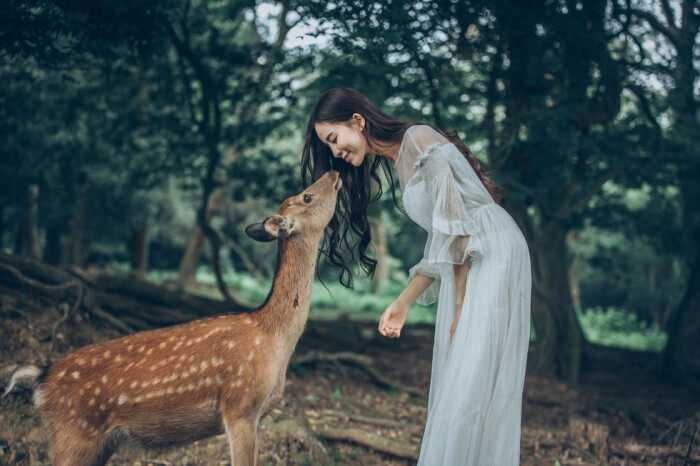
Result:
{"points": [[359, 120]]}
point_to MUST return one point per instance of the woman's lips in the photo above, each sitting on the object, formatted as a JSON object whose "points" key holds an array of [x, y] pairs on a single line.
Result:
{"points": [[347, 157]]}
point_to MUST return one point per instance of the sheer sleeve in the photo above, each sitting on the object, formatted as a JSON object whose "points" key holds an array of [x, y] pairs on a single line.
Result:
{"points": [[455, 192]]}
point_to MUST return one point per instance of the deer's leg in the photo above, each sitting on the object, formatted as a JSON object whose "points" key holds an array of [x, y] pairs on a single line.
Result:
{"points": [[242, 439], [73, 448]]}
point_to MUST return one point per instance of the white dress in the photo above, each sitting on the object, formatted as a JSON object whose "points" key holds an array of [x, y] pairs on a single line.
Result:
{"points": [[476, 384]]}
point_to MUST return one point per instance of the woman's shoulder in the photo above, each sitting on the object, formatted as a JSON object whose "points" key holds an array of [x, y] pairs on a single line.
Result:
{"points": [[423, 136]]}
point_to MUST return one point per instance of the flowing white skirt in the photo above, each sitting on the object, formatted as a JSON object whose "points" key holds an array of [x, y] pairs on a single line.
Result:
{"points": [[474, 408]]}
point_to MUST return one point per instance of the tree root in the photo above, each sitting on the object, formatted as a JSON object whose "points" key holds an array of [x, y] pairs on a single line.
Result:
{"points": [[127, 304], [363, 362], [375, 442]]}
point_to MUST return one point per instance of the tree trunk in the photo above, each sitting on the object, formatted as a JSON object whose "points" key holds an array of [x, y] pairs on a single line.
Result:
{"points": [[78, 248], [28, 239], [52, 249], [139, 251], [559, 338], [571, 239], [381, 272], [682, 352]]}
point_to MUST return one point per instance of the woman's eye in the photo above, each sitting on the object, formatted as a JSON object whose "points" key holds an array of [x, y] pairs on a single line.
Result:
{"points": [[307, 198]]}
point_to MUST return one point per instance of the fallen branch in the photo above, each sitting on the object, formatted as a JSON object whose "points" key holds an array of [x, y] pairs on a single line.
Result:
{"points": [[374, 421], [375, 442], [363, 362]]}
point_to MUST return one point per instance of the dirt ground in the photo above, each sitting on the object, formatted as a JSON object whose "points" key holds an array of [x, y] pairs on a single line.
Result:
{"points": [[619, 414]]}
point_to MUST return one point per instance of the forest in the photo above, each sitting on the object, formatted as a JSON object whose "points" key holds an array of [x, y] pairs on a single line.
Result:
{"points": [[139, 139]]}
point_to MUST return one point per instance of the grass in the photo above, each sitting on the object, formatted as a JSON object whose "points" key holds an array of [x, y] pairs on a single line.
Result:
{"points": [[608, 327]]}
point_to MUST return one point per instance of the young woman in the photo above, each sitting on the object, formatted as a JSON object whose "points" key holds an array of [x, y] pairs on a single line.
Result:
{"points": [[475, 263]]}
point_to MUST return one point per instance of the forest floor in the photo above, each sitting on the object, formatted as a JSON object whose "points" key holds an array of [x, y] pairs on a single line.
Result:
{"points": [[619, 414]]}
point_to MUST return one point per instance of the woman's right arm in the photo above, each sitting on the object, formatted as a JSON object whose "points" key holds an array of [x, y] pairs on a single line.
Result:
{"points": [[391, 322]]}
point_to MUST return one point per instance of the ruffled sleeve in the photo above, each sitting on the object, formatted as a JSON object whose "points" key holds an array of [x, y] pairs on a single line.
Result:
{"points": [[453, 234]]}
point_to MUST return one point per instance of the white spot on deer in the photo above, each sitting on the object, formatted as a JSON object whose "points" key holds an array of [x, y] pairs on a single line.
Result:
{"points": [[172, 338], [75, 375], [248, 320], [120, 381], [258, 339], [73, 412], [219, 379], [104, 379], [250, 356], [198, 339], [122, 399], [97, 391], [39, 397], [142, 348], [83, 424], [170, 390], [92, 402], [81, 392], [130, 347], [180, 389], [128, 366], [133, 384], [182, 358], [107, 354], [62, 374], [231, 344], [81, 362], [62, 399], [156, 381], [240, 370], [160, 393], [145, 384], [102, 407], [203, 365], [162, 345], [150, 351], [208, 381]]}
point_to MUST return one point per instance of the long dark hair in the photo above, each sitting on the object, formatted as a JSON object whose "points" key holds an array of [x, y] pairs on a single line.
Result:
{"points": [[338, 106]]}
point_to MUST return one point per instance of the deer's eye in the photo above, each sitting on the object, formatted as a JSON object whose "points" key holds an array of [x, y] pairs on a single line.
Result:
{"points": [[307, 198]]}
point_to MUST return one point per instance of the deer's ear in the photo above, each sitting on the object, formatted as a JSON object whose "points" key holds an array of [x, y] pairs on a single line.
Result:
{"points": [[257, 232], [271, 228]]}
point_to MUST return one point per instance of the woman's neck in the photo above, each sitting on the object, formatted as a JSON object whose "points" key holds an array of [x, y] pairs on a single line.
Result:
{"points": [[388, 150]]}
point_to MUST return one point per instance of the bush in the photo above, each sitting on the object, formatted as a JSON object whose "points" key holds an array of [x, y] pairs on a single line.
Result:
{"points": [[616, 327]]}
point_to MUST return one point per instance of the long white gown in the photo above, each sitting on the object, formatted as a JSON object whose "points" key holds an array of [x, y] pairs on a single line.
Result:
{"points": [[476, 384]]}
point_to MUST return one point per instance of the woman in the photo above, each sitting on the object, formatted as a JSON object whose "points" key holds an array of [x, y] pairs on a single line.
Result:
{"points": [[475, 263]]}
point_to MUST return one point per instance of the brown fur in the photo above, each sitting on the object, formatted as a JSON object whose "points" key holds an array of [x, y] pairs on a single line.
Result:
{"points": [[175, 385]]}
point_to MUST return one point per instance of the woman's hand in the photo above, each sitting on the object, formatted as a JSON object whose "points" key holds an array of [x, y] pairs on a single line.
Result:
{"points": [[391, 322]]}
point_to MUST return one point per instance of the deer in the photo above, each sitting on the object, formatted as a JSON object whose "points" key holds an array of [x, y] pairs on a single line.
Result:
{"points": [[171, 386]]}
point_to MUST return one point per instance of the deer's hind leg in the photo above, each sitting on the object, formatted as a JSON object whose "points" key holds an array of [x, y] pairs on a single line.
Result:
{"points": [[73, 447]]}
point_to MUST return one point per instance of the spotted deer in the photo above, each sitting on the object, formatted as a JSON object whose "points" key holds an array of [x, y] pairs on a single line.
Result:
{"points": [[172, 386]]}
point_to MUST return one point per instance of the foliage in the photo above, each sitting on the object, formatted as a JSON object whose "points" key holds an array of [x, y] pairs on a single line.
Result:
{"points": [[614, 327]]}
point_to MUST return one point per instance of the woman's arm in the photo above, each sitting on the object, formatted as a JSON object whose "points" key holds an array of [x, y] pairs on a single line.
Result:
{"points": [[460, 272], [391, 322]]}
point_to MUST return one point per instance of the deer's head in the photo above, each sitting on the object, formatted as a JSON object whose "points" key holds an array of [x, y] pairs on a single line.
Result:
{"points": [[306, 213]]}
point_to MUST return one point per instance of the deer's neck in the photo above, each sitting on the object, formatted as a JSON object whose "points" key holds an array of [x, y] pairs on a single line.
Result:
{"points": [[287, 307]]}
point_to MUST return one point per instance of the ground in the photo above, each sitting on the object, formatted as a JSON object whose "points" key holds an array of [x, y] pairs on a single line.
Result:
{"points": [[619, 414]]}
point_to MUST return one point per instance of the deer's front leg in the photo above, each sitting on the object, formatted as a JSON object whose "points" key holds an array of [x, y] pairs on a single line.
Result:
{"points": [[242, 439]]}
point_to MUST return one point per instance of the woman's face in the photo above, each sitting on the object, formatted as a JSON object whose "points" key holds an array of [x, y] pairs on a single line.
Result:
{"points": [[346, 140]]}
